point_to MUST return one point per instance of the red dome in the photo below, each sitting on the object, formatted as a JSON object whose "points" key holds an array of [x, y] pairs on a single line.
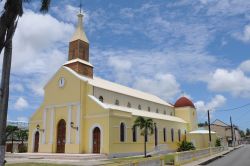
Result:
{"points": [[184, 102]]}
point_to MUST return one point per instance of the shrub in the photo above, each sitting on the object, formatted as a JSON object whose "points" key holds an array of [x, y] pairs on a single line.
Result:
{"points": [[217, 142], [185, 146]]}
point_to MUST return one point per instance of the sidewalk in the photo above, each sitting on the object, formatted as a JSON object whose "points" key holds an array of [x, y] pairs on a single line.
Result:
{"points": [[202, 160]]}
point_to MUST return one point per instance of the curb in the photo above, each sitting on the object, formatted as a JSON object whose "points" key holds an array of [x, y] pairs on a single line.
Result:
{"points": [[219, 156]]}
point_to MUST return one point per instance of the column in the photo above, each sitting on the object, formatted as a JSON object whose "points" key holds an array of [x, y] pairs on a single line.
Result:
{"points": [[68, 141], [44, 126], [52, 112]]}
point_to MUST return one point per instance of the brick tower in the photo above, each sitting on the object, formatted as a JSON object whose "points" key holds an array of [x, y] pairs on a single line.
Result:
{"points": [[78, 58]]}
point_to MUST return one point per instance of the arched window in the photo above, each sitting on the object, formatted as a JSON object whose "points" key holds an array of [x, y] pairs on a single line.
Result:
{"points": [[101, 99], [148, 109], [156, 135], [116, 102], [179, 135], [157, 111], [165, 112], [164, 135], [134, 134], [129, 105], [122, 132], [139, 107], [172, 135]]}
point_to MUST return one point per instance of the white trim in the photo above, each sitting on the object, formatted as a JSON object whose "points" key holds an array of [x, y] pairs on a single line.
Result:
{"points": [[62, 105], [78, 124], [78, 60], [91, 137], [44, 126], [68, 139], [96, 116], [51, 125]]}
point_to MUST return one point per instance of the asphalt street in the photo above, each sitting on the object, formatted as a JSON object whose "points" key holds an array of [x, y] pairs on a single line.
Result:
{"points": [[239, 157]]}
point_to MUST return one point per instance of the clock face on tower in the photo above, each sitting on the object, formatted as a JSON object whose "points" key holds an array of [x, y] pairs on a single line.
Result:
{"points": [[61, 82]]}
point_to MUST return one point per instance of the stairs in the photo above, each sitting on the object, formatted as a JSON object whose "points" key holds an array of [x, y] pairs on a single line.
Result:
{"points": [[56, 156]]}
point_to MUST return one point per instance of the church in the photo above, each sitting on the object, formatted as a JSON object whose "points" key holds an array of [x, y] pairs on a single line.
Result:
{"points": [[82, 113]]}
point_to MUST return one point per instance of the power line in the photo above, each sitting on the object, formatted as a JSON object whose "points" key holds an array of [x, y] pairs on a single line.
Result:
{"points": [[234, 108]]}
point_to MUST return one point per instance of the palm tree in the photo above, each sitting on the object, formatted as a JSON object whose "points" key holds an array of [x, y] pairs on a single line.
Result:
{"points": [[13, 9], [147, 128]]}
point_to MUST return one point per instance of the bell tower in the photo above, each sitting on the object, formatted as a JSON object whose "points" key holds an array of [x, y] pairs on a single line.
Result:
{"points": [[78, 57]]}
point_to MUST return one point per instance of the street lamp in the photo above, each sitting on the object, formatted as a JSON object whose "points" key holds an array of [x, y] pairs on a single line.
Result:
{"points": [[38, 128], [72, 126]]}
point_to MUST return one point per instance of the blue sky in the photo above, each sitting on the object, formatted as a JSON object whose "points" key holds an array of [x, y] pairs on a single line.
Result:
{"points": [[197, 47]]}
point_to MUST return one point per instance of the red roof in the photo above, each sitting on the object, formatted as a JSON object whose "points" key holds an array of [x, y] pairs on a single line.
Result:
{"points": [[184, 102]]}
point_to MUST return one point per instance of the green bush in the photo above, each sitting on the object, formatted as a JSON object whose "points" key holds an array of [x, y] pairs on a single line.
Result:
{"points": [[185, 146], [217, 142]]}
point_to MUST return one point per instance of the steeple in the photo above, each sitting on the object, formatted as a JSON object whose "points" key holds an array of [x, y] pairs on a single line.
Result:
{"points": [[78, 58], [79, 33]]}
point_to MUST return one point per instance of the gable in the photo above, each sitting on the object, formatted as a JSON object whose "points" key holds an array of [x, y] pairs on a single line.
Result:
{"points": [[219, 123]]}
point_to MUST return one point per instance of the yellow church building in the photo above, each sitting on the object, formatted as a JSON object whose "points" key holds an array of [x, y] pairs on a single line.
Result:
{"points": [[82, 113]]}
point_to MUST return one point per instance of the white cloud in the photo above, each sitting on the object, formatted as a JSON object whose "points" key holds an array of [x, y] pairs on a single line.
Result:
{"points": [[202, 107], [234, 81], [21, 104], [245, 66], [245, 35], [164, 85], [121, 64], [22, 119], [17, 87], [38, 49]]}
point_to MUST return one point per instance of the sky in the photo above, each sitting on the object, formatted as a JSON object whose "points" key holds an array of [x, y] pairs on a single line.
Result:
{"points": [[196, 48]]}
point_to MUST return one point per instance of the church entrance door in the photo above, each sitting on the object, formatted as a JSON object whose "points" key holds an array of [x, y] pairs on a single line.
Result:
{"points": [[61, 135], [96, 140], [36, 144]]}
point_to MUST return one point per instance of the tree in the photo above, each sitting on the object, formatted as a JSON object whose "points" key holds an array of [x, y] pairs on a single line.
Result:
{"points": [[218, 142], [10, 134], [22, 135], [203, 124], [247, 132], [13, 9], [147, 128], [242, 133]]}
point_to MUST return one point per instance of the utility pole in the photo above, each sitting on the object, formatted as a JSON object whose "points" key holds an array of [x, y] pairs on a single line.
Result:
{"points": [[209, 128], [232, 131]]}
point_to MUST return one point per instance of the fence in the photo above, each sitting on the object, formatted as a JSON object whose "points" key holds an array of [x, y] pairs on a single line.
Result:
{"points": [[185, 157], [177, 158]]}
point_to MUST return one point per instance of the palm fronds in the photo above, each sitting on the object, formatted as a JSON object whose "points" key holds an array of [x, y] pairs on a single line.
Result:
{"points": [[45, 5]]}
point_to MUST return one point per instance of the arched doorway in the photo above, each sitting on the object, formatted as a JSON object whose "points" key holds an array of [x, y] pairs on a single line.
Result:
{"points": [[61, 135], [96, 140], [36, 143]]}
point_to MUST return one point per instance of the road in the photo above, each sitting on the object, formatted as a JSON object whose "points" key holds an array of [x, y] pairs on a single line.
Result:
{"points": [[239, 157]]}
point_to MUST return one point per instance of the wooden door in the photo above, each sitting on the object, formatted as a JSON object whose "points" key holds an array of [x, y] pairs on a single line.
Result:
{"points": [[36, 144], [96, 140], [61, 136]]}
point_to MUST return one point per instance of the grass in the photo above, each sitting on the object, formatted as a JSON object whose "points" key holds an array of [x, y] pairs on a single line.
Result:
{"points": [[34, 164], [169, 159]]}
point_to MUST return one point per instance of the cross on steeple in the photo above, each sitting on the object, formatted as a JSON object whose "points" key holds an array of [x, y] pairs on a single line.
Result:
{"points": [[80, 6]]}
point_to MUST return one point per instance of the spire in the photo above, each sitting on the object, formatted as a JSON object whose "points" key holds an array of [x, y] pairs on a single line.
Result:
{"points": [[80, 33]]}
